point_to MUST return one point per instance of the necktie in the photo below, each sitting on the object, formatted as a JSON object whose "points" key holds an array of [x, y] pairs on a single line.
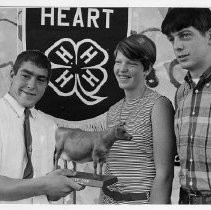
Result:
{"points": [[28, 172]]}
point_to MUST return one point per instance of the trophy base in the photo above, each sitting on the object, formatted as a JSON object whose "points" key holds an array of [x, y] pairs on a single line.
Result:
{"points": [[88, 179]]}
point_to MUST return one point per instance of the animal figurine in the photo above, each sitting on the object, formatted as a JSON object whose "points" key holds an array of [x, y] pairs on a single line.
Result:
{"points": [[76, 145]]}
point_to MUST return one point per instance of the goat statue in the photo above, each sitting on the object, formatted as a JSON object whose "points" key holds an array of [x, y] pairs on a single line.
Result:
{"points": [[76, 145]]}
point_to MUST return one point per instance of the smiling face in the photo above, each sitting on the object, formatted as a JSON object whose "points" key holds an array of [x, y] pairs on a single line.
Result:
{"points": [[192, 49], [29, 84], [129, 74]]}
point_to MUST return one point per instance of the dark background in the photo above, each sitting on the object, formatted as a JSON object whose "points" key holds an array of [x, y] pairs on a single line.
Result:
{"points": [[42, 37]]}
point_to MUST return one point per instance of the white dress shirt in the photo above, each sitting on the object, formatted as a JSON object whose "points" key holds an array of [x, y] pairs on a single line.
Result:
{"points": [[13, 157]]}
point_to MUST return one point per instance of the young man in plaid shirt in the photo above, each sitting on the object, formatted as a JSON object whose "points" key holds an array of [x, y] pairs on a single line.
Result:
{"points": [[189, 31]]}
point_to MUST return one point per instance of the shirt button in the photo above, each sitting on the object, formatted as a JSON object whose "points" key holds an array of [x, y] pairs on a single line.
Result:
{"points": [[193, 113], [30, 149], [208, 84], [191, 160], [191, 136], [191, 183], [196, 91]]}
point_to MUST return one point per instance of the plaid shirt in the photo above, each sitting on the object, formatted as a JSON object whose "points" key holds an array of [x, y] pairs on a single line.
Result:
{"points": [[193, 132]]}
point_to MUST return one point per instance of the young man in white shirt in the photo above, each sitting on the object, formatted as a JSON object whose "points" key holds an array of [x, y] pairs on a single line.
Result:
{"points": [[29, 78]]}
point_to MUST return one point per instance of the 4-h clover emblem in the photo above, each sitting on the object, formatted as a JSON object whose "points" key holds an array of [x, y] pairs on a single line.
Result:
{"points": [[80, 43], [78, 69]]}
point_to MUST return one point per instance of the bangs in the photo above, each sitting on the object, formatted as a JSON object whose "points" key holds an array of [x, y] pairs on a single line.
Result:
{"points": [[131, 50], [176, 26], [179, 18], [138, 47], [174, 22]]}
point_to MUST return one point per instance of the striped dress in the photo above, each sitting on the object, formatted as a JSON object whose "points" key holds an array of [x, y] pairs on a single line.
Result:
{"points": [[132, 161]]}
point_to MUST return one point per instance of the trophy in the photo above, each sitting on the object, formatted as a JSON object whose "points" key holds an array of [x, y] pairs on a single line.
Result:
{"points": [[76, 145]]}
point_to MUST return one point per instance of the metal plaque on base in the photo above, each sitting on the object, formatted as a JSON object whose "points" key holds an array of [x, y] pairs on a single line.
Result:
{"points": [[88, 179]]}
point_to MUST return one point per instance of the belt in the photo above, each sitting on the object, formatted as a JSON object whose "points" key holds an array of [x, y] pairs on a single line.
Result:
{"points": [[193, 196], [117, 196]]}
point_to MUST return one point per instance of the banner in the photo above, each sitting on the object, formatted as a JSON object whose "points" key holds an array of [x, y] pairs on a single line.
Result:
{"points": [[79, 43]]}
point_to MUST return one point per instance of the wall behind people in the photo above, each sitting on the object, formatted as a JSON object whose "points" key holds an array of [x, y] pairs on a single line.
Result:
{"points": [[140, 20], [145, 20]]}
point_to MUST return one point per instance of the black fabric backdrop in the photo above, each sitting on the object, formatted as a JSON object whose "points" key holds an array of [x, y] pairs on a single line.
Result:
{"points": [[87, 37]]}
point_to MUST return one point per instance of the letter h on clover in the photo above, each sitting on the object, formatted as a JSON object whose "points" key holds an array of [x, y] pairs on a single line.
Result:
{"points": [[78, 68]]}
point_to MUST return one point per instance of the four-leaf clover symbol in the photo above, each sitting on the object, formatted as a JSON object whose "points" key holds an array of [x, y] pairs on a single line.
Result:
{"points": [[78, 68]]}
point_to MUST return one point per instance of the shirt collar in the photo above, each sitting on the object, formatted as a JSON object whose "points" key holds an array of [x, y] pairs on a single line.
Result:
{"points": [[204, 78], [17, 107], [33, 112]]}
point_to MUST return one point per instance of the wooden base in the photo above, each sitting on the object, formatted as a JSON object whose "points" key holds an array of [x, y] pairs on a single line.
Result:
{"points": [[88, 179]]}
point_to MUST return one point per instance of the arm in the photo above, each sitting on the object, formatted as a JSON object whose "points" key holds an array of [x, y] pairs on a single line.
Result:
{"points": [[164, 147], [55, 185]]}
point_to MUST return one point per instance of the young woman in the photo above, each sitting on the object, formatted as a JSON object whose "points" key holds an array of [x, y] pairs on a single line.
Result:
{"points": [[144, 166]]}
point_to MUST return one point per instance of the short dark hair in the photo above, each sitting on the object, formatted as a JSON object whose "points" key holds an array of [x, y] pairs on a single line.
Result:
{"points": [[38, 58], [178, 18], [138, 47]]}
